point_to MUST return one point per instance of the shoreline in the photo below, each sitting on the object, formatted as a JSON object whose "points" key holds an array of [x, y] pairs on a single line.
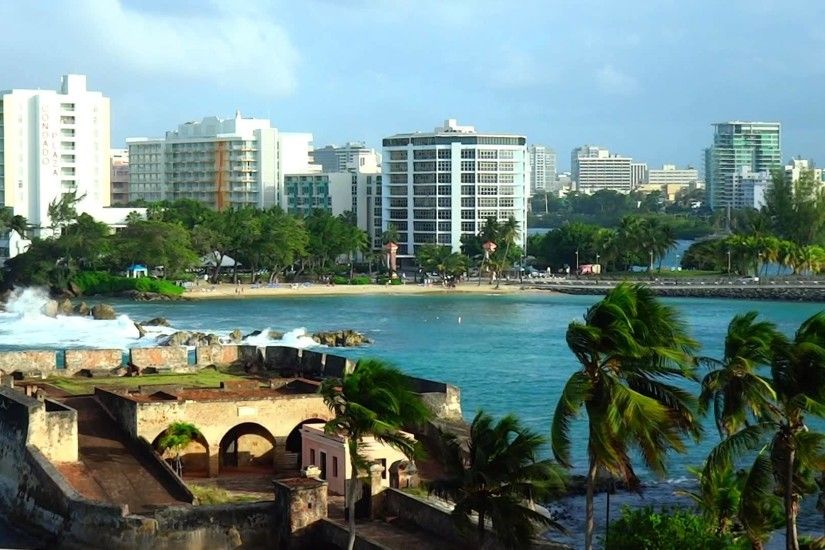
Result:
{"points": [[228, 290]]}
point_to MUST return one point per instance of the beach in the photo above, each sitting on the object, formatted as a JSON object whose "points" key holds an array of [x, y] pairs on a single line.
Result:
{"points": [[226, 290]]}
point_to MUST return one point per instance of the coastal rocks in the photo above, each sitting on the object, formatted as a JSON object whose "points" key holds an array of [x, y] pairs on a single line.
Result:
{"points": [[141, 331], [139, 296], [186, 338], [65, 307], [157, 322], [235, 336], [81, 309], [50, 308], [341, 338], [272, 334], [104, 312]]}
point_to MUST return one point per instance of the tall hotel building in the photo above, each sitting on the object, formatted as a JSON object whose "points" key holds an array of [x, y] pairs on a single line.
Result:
{"points": [[737, 144], [222, 163], [595, 169], [53, 143], [440, 186], [542, 168]]}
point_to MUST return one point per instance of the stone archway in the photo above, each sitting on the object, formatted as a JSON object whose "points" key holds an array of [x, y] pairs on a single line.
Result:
{"points": [[194, 457], [293, 446], [247, 446]]}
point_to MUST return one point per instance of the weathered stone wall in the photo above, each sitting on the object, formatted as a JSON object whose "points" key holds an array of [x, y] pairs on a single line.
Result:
{"points": [[336, 365], [328, 532], [58, 438], [28, 362], [123, 410], [92, 359], [282, 358], [216, 355], [162, 357], [444, 400], [312, 364]]}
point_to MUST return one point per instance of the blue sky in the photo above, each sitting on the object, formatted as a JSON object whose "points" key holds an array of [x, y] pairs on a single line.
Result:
{"points": [[644, 78]]}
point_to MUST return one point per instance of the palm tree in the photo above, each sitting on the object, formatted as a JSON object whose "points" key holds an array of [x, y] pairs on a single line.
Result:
{"points": [[498, 476], [718, 496], [789, 453], [177, 437], [626, 345], [375, 400], [390, 235], [734, 388], [508, 233]]}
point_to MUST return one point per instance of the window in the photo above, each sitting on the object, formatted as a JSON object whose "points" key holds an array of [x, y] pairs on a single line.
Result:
{"points": [[444, 166], [468, 153], [394, 166], [398, 155], [424, 166], [487, 154], [487, 190], [424, 154], [312, 456], [423, 178], [445, 177], [444, 190], [444, 202], [506, 166], [444, 226], [468, 226], [505, 154], [488, 178], [445, 214], [335, 466], [444, 153], [468, 190], [487, 203], [487, 166], [424, 226], [468, 166], [505, 178], [468, 214], [468, 202], [398, 178]]}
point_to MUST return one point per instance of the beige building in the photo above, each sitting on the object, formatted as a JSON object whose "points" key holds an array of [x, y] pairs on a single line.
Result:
{"points": [[120, 176], [330, 453]]}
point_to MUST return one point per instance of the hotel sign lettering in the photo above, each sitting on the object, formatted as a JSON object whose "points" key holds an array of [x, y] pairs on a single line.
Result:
{"points": [[49, 158]]}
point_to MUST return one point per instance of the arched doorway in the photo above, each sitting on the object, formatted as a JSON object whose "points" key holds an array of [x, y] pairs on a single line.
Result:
{"points": [[247, 446], [292, 449], [194, 457]]}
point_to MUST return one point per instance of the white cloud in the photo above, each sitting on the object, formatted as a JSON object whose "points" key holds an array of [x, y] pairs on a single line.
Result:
{"points": [[614, 81], [219, 46]]}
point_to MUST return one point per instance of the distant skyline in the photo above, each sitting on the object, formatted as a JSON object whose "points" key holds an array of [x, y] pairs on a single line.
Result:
{"points": [[644, 79]]}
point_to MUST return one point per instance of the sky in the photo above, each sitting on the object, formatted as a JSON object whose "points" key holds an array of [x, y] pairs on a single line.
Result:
{"points": [[645, 78]]}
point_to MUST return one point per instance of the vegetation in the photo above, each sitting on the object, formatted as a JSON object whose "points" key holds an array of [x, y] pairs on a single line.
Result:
{"points": [[627, 345], [499, 477], [176, 438], [208, 494], [101, 282], [375, 400], [203, 378], [648, 529]]}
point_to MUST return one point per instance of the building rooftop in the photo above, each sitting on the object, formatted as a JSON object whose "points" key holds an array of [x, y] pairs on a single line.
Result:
{"points": [[246, 390]]}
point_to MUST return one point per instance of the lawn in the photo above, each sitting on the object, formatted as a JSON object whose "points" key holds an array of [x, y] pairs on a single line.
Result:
{"points": [[201, 379], [208, 494]]}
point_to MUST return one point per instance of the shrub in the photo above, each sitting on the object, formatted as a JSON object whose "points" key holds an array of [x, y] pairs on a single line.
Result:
{"points": [[647, 529], [100, 282], [340, 280], [361, 280]]}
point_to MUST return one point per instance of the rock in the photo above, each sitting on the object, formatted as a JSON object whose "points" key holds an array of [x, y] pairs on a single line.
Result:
{"points": [[141, 331], [50, 308], [65, 307], [179, 338], [235, 336], [104, 312], [251, 334], [211, 340], [156, 322], [81, 309], [275, 335], [75, 289], [341, 338]]}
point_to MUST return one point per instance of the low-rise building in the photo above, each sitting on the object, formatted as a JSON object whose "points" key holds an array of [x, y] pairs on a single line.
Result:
{"points": [[330, 454], [119, 162]]}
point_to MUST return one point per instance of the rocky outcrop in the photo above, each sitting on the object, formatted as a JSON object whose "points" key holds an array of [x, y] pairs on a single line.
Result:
{"points": [[272, 334], [141, 331], [186, 338], [81, 309], [235, 336], [65, 307], [104, 312], [157, 322], [139, 296], [50, 308], [341, 338]]}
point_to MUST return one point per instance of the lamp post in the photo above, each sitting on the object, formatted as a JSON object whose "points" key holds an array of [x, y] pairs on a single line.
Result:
{"points": [[577, 261], [728, 262]]}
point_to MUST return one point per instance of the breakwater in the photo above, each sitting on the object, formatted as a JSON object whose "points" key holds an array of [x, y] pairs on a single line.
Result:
{"points": [[792, 292]]}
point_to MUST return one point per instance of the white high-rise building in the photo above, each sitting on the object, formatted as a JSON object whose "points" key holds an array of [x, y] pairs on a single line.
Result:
{"points": [[542, 168], [442, 185], [638, 174], [749, 187], [796, 166], [352, 156], [223, 163], [54, 142], [119, 159], [595, 169]]}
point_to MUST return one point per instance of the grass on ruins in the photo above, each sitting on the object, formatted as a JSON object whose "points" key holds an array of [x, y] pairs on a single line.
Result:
{"points": [[208, 494], [204, 378]]}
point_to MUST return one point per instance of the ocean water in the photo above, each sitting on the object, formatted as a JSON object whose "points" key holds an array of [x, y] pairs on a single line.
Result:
{"points": [[507, 353]]}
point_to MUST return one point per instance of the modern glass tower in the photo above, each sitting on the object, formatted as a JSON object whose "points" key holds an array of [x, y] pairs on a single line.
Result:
{"points": [[738, 144]]}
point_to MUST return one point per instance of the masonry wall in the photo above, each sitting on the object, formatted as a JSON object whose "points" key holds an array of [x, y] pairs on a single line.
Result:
{"points": [[28, 361], [122, 409], [166, 357], [93, 359]]}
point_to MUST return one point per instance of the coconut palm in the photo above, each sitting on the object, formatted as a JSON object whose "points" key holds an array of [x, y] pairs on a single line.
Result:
{"points": [[375, 400], [497, 477], [734, 388], [176, 438], [789, 454], [626, 345]]}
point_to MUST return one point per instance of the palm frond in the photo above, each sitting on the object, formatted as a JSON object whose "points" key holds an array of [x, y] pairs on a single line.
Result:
{"points": [[576, 391]]}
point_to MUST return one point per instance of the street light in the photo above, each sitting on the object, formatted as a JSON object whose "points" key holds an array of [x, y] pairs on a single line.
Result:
{"points": [[577, 261], [728, 263]]}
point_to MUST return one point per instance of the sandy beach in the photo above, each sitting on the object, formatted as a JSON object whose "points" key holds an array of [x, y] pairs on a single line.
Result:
{"points": [[318, 289]]}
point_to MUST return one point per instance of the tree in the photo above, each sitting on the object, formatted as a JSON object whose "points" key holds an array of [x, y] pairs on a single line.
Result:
{"points": [[498, 477], [789, 454], [390, 235], [627, 344], [156, 243], [735, 389], [176, 438], [375, 400]]}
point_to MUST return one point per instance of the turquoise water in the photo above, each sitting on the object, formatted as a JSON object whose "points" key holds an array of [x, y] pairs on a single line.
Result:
{"points": [[506, 352]]}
